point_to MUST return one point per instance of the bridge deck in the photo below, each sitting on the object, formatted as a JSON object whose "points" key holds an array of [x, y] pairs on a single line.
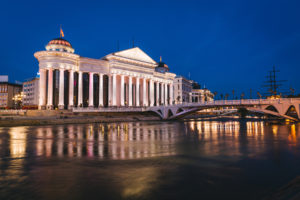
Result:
{"points": [[186, 108]]}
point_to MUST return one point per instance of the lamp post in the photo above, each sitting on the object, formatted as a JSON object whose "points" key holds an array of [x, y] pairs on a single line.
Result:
{"points": [[18, 99], [258, 94]]}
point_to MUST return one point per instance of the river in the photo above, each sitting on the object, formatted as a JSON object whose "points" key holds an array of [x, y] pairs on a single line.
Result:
{"points": [[149, 160]]}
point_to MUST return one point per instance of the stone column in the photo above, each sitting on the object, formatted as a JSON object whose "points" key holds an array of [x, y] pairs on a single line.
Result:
{"points": [[137, 93], [61, 103], [122, 90], [100, 89], [110, 90], [157, 93], [130, 91], [42, 89], [145, 103], [162, 100], [166, 94], [50, 89], [151, 93], [71, 89], [91, 89], [162, 94], [80, 89], [171, 94], [114, 93]]}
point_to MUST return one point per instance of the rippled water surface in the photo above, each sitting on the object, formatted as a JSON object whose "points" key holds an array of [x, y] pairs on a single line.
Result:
{"points": [[151, 160]]}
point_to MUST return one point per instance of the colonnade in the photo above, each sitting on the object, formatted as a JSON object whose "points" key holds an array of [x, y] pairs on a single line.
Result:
{"points": [[66, 88]]}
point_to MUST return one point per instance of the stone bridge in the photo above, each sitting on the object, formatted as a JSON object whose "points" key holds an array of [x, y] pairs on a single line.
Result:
{"points": [[282, 107], [288, 108]]}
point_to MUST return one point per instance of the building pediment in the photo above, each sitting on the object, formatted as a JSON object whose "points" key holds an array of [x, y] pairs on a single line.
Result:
{"points": [[135, 54]]}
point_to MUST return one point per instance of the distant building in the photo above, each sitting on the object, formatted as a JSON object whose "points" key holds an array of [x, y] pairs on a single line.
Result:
{"points": [[201, 95], [7, 92], [182, 88], [31, 93], [196, 85], [3, 78]]}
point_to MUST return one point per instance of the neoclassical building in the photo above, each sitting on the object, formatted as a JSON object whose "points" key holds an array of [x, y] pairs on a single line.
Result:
{"points": [[125, 78]]}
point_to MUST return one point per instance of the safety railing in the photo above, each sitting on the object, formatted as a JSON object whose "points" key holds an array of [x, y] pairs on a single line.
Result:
{"points": [[240, 102], [109, 109], [187, 104]]}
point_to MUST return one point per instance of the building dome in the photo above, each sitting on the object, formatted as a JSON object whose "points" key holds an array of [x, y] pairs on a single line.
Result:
{"points": [[60, 41], [60, 44], [162, 64], [162, 67]]}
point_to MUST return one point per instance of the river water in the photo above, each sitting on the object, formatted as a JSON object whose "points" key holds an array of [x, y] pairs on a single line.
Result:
{"points": [[149, 160]]}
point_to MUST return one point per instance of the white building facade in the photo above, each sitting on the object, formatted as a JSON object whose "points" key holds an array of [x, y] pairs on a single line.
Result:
{"points": [[31, 92], [125, 78], [201, 95], [182, 88]]}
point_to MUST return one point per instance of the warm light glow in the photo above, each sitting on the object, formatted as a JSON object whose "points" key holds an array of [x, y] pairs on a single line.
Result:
{"points": [[18, 137], [275, 129], [293, 137]]}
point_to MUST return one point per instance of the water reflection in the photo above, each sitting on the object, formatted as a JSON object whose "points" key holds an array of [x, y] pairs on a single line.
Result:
{"points": [[113, 141], [239, 138], [134, 158], [120, 141], [17, 140]]}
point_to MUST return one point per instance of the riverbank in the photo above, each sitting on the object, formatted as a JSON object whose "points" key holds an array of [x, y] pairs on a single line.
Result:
{"points": [[36, 118], [58, 117]]}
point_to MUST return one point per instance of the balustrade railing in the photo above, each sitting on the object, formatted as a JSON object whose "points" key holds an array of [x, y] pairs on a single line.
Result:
{"points": [[191, 104], [240, 102], [109, 109]]}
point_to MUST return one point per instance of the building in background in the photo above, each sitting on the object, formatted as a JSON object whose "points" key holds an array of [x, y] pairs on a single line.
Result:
{"points": [[3, 78], [31, 93], [182, 89], [201, 95], [8, 92]]}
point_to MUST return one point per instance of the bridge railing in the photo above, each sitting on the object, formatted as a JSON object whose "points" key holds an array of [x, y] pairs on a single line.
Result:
{"points": [[187, 104], [241, 102], [109, 109]]}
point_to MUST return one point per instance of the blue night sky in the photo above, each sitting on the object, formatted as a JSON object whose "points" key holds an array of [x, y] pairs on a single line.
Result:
{"points": [[225, 45]]}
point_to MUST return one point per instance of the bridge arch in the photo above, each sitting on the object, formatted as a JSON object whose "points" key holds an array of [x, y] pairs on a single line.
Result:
{"points": [[272, 108], [160, 112], [292, 112], [179, 110], [170, 113]]}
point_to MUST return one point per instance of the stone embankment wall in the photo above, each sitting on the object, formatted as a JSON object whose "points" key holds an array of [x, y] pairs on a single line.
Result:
{"points": [[52, 117]]}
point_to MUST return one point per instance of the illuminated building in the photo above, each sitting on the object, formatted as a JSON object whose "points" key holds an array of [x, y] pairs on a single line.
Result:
{"points": [[7, 92], [182, 88], [125, 78], [31, 92], [201, 95]]}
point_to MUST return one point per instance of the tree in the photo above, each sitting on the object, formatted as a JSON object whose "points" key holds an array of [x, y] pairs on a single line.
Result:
{"points": [[292, 91], [233, 94], [258, 95], [215, 94], [226, 96], [242, 95]]}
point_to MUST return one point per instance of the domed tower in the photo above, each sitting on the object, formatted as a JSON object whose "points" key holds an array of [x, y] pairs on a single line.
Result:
{"points": [[57, 66], [60, 44], [162, 67]]}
